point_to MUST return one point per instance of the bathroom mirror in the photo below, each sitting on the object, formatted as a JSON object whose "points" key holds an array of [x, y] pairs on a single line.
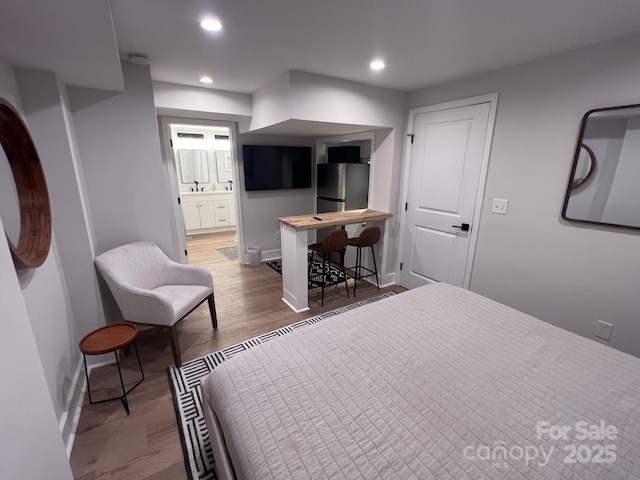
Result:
{"points": [[224, 166], [194, 166], [604, 184]]}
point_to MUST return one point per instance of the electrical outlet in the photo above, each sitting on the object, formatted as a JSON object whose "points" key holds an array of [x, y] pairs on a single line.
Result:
{"points": [[604, 330], [500, 206], [277, 234]]}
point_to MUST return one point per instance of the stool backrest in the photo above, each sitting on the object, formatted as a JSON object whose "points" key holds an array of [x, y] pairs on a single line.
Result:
{"points": [[369, 237], [334, 242]]}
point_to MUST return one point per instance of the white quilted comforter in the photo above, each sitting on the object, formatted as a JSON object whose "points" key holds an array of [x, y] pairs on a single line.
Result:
{"points": [[434, 383]]}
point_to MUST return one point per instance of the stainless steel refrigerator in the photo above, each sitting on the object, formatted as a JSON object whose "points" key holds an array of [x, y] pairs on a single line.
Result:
{"points": [[341, 186]]}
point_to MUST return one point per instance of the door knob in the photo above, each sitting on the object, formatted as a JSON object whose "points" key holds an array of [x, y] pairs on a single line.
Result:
{"points": [[464, 227]]}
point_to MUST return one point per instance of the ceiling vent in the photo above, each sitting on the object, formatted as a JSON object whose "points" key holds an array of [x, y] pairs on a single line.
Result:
{"points": [[138, 58]]}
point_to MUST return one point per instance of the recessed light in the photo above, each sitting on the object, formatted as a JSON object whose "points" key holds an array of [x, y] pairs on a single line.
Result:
{"points": [[206, 79], [377, 64], [211, 24]]}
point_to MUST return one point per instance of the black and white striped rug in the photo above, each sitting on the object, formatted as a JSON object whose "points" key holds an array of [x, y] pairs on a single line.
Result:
{"points": [[187, 397], [316, 273]]}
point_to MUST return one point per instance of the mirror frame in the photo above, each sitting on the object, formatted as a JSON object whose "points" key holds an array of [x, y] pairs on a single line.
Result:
{"points": [[576, 157], [33, 197], [592, 168]]}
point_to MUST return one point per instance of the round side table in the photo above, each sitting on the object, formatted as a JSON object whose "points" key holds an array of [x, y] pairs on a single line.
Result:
{"points": [[107, 339]]}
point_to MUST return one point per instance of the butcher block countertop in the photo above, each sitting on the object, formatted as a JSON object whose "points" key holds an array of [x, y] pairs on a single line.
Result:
{"points": [[329, 219]]}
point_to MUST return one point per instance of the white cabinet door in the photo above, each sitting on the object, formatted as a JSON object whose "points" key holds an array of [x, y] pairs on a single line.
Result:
{"points": [[191, 214], [232, 212], [207, 216]]}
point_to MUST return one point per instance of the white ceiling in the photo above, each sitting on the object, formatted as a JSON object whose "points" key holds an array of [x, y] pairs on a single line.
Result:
{"points": [[424, 42], [73, 38]]}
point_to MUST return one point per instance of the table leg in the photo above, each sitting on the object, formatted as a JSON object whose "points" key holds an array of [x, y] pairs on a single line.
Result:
{"points": [[295, 290], [123, 398], [124, 392]]}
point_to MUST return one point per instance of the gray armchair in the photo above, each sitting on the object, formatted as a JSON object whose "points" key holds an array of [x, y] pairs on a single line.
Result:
{"points": [[150, 288]]}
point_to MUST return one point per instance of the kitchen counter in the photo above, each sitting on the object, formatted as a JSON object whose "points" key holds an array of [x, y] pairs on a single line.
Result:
{"points": [[330, 219], [294, 238]]}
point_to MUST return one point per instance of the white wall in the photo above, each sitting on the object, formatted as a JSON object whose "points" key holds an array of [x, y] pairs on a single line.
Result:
{"points": [[74, 297], [261, 209], [271, 104], [27, 417], [118, 140], [193, 102], [567, 274]]}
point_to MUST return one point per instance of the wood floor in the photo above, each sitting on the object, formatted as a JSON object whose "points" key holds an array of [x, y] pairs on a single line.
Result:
{"points": [[146, 444]]}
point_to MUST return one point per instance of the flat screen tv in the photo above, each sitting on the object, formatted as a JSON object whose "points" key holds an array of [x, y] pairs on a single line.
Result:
{"points": [[270, 167]]}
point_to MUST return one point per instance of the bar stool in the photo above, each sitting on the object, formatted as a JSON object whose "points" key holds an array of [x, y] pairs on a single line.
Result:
{"points": [[368, 238], [335, 242]]}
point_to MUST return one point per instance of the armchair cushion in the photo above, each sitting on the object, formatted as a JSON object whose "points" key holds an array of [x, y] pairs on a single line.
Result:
{"points": [[181, 297]]}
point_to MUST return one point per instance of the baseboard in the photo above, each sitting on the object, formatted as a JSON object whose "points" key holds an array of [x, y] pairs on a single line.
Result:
{"points": [[73, 406], [269, 255], [388, 280]]}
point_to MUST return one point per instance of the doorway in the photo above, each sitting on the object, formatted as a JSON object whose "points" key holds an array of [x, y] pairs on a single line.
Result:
{"points": [[200, 163], [445, 172]]}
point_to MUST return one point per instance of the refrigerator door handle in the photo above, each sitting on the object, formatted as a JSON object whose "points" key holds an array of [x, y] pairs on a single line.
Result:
{"points": [[329, 199]]}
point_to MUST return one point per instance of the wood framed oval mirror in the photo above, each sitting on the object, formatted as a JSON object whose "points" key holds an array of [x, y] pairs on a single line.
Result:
{"points": [[34, 238]]}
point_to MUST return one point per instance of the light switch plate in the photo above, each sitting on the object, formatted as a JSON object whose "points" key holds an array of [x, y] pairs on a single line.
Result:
{"points": [[500, 206]]}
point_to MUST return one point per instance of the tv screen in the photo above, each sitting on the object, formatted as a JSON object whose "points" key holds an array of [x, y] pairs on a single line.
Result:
{"points": [[269, 167]]}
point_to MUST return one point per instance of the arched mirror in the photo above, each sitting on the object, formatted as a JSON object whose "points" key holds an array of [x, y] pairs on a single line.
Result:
{"points": [[585, 166], [26, 212]]}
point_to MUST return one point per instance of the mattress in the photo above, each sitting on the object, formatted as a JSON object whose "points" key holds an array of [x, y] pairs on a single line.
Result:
{"points": [[434, 383]]}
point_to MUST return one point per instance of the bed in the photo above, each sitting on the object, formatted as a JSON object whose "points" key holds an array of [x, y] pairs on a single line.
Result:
{"points": [[434, 383]]}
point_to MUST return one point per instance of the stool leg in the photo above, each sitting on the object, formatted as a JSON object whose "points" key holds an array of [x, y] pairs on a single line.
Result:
{"points": [[324, 276], [357, 270], [124, 392], [375, 267], [342, 270]]}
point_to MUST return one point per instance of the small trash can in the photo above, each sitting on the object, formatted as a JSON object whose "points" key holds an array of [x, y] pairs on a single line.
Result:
{"points": [[253, 253]]}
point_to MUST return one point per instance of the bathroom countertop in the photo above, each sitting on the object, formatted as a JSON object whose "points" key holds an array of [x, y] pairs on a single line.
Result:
{"points": [[217, 192]]}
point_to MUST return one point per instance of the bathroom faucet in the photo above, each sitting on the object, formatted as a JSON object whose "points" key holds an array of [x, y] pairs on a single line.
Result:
{"points": [[196, 182], [230, 184]]}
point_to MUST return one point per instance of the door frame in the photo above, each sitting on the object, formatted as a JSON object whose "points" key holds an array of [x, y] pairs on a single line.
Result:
{"points": [[178, 231], [492, 99]]}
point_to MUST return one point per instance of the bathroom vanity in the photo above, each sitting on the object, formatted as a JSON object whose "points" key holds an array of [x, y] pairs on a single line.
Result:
{"points": [[207, 212]]}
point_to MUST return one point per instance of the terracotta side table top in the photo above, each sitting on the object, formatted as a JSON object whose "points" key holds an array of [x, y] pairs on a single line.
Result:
{"points": [[108, 338]]}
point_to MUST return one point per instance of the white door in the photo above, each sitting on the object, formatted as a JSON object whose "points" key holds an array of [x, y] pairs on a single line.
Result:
{"points": [[446, 162]]}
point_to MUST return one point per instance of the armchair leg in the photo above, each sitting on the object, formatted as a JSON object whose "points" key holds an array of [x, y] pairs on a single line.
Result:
{"points": [[175, 346], [212, 310]]}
